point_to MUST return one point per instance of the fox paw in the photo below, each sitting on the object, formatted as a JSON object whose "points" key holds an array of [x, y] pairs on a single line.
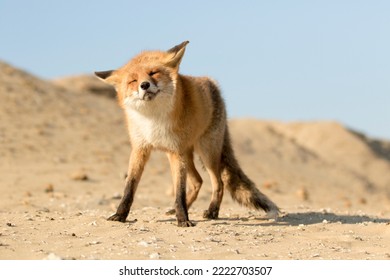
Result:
{"points": [[211, 215], [117, 218], [185, 224]]}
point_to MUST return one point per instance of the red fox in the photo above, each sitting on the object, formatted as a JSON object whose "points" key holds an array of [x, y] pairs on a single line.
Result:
{"points": [[180, 115]]}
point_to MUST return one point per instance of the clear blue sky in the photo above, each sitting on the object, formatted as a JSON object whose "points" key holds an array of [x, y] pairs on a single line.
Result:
{"points": [[282, 60]]}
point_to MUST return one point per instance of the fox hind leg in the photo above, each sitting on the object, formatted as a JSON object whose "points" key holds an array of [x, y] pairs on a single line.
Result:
{"points": [[194, 181], [179, 172], [217, 193], [211, 158]]}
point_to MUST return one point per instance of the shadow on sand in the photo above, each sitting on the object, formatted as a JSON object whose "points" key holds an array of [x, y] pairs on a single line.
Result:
{"points": [[294, 219], [311, 218], [308, 218]]}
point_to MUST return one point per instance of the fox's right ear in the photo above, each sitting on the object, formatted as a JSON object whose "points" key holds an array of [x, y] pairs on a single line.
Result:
{"points": [[175, 54], [109, 77]]}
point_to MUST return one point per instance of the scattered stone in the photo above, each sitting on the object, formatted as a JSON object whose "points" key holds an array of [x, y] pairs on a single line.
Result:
{"points": [[358, 238], [170, 212], [143, 244], [116, 196], [53, 257], [94, 243], [363, 200], [25, 202], [49, 188], [11, 224], [347, 203], [236, 251], [303, 194], [269, 184], [103, 201], [79, 176], [123, 175], [144, 229], [44, 209], [301, 227], [212, 239], [154, 256]]}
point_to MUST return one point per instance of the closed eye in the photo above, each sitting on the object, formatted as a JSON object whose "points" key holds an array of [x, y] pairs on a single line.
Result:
{"points": [[152, 73], [133, 81]]}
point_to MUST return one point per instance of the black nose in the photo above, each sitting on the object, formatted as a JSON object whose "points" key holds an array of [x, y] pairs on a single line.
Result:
{"points": [[145, 85]]}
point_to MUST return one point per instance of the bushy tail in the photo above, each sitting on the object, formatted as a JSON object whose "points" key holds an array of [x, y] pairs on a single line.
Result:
{"points": [[241, 188]]}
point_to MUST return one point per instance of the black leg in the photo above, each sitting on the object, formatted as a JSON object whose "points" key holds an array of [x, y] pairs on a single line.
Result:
{"points": [[138, 159]]}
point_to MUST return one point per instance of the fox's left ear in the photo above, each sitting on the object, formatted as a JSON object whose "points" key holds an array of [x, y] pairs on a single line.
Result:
{"points": [[109, 77], [175, 55]]}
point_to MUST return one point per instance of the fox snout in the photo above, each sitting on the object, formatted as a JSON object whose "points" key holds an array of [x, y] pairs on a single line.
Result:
{"points": [[145, 85], [147, 91]]}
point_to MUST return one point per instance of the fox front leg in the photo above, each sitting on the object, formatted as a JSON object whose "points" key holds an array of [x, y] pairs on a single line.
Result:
{"points": [[138, 159]]}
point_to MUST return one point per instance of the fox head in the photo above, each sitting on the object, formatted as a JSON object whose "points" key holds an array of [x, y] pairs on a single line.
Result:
{"points": [[148, 78]]}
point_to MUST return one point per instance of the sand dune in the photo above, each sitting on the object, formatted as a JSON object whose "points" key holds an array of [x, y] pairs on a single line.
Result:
{"points": [[63, 155]]}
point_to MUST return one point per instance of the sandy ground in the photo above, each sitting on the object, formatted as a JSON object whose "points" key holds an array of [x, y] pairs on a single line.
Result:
{"points": [[63, 157]]}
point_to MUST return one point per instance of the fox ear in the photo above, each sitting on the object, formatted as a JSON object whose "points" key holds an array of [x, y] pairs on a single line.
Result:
{"points": [[175, 54], [109, 77]]}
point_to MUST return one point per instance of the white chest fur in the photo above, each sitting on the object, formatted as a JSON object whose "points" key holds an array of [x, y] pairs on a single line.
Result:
{"points": [[153, 129]]}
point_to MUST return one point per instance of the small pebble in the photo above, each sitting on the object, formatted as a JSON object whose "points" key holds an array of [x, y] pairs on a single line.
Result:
{"points": [[363, 200], [53, 257], [116, 196], [269, 184], [49, 188], [143, 244], [303, 194], [79, 176], [154, 256], [301, 227]]}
